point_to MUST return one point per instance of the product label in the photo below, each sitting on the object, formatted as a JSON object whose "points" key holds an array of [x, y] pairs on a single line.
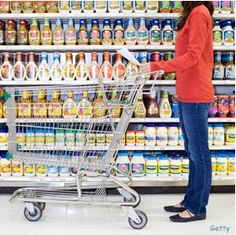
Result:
{"points": [[70, 37], [226, 6], [40, 110], [119, 36], [81, 72], [83, 37], [217, 36], [1, 37], [95, 36], [39, 138], [24, 110], [185, 168], [6, 167], [124, 167], [50, 138], [137, 169], [130, 35], [44, 72], [22, 37], [29, 168], [64, 170], [40, 169], [10, 37], [6, 71], [31, 71], [18, 71], [214, 167], [151, 169], [229, 37], [46, 37], [58, 37], [143, 35], [56, 73], [175, 169], [69, 72], [219, 71], [16, 167], [54, 110], [34, 37], [155, 36], [230, 72], [52, 170], [231, 166], [163, 169], [167, 36], [221, 167], [230, 138], [60, 139], [107, 36]]}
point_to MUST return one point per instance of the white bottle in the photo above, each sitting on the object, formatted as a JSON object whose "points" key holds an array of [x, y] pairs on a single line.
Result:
{"points": [[163, 166], [181, 137], [150, 135], [155, 33], [19, 68], [231, 163], [222, 164], [175, 166], [185, 166], [31, 69], [217, 34], [138, 164], [5, 166], [63, 170], [56, 69], [228, 34], [219, 135], [162, 135], [173, 135], [151, 166], [123, 163], [43, 69], [210, 135], [167, 34]]}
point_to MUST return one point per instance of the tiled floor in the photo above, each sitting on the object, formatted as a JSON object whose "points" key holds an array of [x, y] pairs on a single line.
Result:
{"points": [[67, 220]]}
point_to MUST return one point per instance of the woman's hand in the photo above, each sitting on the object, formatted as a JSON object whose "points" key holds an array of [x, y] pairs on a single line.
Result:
{"points": [[146, 69]]}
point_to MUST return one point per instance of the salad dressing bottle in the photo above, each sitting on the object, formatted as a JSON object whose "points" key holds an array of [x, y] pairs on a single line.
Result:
{"points": [[119, 68], [6, 68], [31, 68], [107, 33], [155, 33], [119, 33], [43, 69], [24, 107], [95, 37], [56, 70], [34, 33], [70, 106], [70, 33], [82, 34], [40, 108], [142, 33], [58, 34], [55, 106], [81, 69], [84, 106], [22, 34], [164, 107], [130, 33], [46, 33], [106, 70], [69, 68], [94, 68], [99, 106], [19, 68]]}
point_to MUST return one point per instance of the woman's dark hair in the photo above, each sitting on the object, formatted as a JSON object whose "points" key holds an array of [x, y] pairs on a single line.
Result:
{"points": [[188, 7]]}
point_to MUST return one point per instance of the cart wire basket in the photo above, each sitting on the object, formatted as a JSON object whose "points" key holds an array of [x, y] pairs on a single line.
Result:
{"points": [[70, 142]]}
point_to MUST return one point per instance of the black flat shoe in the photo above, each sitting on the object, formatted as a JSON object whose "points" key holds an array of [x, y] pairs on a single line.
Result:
{"points": [[174, 209], [179, 219]]}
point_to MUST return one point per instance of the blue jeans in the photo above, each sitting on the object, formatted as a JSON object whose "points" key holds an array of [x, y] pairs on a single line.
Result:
{"points": [[194, 125]]}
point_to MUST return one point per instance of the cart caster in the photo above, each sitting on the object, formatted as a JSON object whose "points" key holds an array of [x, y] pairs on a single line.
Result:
{"points": [[42, 205], [131, 200], [36, 215], [143, 220]]}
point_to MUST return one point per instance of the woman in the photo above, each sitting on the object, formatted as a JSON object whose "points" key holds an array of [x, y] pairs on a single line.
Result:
{"points": [[193, 66]]}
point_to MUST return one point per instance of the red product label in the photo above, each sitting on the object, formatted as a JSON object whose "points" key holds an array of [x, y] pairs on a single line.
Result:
{"points": [[34, 34]]}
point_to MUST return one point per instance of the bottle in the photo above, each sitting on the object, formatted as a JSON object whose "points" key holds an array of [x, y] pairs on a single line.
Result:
{"points": [[114, 6], [213, 108], [69, 68], [46, 33], [130, 33], [139, 6], [58, 34], [185, 166], [139, 109], [119, 68], [131, 71], [119, 33], [230, 67], [155, 33], [4, 7], [88, 6], [150, 165], [163, 165], [64, 6], [167, 34], [28, 7], [128, 6], [19, 68], [15, 7], [173, 135], [222, 106], [177, 7], [10, 33], [175, 166], [142, 33], [55, 106], [24, 107], [123, 163], [82, 34], [181, 137], [76, 6], [151, 105], [107, 33], [84, 106], [40, 109], [164, 107], [217, 6], [231, 112], [230, 135], [218, 72], [169, 56], [70, 106], [22, 34], [221, 163], [228, 33], [70, 33], [106, 69], [217, 34], [6, 68], [81, 70], [51, 7], [226, 7], [16, 168], [99, 108], [143, 57], [162, 135], [210, 135], [39, 7], [219, 135], [100, 6], [231, 163], [150, 135], [5, 166], [34, 33], [138, 164], [2, 28], [165, 7], [152, 6], [116, 111], [56, 72], [95, 37], [94, 68], [40, 170], [31, 69], [43, 68]]}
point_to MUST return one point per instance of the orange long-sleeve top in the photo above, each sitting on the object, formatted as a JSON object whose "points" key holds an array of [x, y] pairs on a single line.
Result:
{"points": [[193, 64]]}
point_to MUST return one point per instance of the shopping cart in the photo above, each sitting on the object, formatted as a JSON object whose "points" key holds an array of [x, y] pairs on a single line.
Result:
{"points": [[93, 163]]}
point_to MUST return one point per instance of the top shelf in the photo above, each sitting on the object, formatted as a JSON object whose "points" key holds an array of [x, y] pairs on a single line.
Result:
{"points": [[101, 15]]}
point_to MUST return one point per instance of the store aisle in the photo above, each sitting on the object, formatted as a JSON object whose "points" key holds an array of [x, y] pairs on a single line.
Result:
{"points": [[61, 219]]}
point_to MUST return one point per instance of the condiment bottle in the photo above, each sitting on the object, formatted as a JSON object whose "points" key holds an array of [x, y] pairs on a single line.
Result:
{"points": [[40, 109], [46, 33], [70, 33], [151, 105], [34, 33], [4, 6], [230, 67], [28, 7], [88, 6], [131, 71], [177, 7], [164, 106], [58, 34], [100, 6], [169, 56], [143, 60], [152, 6], [217, 34], [119, 33], [18, 68], [128, 6], [82, 34], [56, 73], [142, 33], [22, 34], [167, 34], [39, 7], [95, 37], [31, 68], [51, 6], [55, 106], [6, 68], [10, 33], [139, 6], [99, 106], [76, 6], [15, 7], [43, 69], [70, 106], [2, 32], [231, 112], [228, 33], [217, 6], [107, 33], [218, 72], [64, 6], [116, 111], [94, 68], [130, 33], [106, 70], [119, 68], [165, 7], [139, 109], [114, 6], [226, 7], [81, 69], [155, 57], [69, 68], [155, 33], [84, 106], [24, 107]]}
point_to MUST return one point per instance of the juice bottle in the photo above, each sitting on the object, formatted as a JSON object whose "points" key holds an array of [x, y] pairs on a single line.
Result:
{"points": [[164, 107], [128, 6], [100, 6], [76, 6], [6, 68], [167, 34], [107, 33], [2, 28], [39, 7], [69, 106], [31, 69], [40, 109], [51, 7], [34, 33], [218, 72], [81, 70], [217, 34], [217, 6], [99, 106], [46, 33], [151, 105], [56, 70], [165, 7], [119, 33], [155, 33], [82, 34], [84, 106], [139, 109], [58, 34], [142, 36], [228, 33], [131, 71], [106, 70], [130, 33], [88, 6], [43, 69], [24, 107], [169, 56], [70, 33], [94, 68], [177, 7], [116, 111], [55, 106], [22, 34], [69, 68], [119, 68], [64, 6], [15, 7], [10, 33], [114, 6], [152, 6], [95, 37], [230, 67], [226, 6], [139, 6], [19, 68], [28, 7]]}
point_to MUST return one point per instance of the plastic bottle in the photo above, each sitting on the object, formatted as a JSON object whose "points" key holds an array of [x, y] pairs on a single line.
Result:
{"points": [[55, 106], [119, 68], [99, 108], [217, 34], [49, 137], [139, 138], [64, 6], [231, 163], [106, 69], [128, 6], [151, 105], [43, 68], [142, 33], [19, 68], [138, 164], [177, 7], [151, 165], [51, 6], [58, 36], [70, 106], [56, 73], [100, 6], [150, 135], [164, 106], [130, 138], [119, 33], [162, 135], [94, 68], [39, 7], [3, 135], [60, 137], [181, 137], [143, 58], [69, 68], [228, 33], [230, 135], [175, 166], [31, 69], [28, 7], [22, 34], [39, 137], [88, 6], [152, 6], [218, 72], [5, 166], [107, 34], [82, 34], [6, 68], [222, 163], [173, 135], [213, 163], [185, 166], [139, 109], [163, 166], [131, 71], [123, 163], [46, 33], [24, 106], [34, 33], [84, 106], [165, 7], [231, 112], [69, 138], [10, 33], [76, 7], [210, 134], [155, 33], [226, 6], [81, 70], [95, 34], [167, 34], [217, 6], [80, 138], [29, 169], [16, 168], [219, 135], [130, 33], [169, 56], [70, 33], [230, 67], [52, 171]]}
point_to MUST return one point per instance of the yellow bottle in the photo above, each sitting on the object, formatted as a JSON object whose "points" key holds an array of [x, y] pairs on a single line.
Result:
{"points": [[55, 106], [84, 106], [140, 110], [34, 33], [70, 106], [99, 106], [24, 106], [115, 112], [46, 33], [40, 107]]}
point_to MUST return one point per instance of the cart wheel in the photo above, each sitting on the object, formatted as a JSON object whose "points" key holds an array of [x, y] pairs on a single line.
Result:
{"points": [[42, 205], [131, 200], [34, 216], [143, 220]]}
